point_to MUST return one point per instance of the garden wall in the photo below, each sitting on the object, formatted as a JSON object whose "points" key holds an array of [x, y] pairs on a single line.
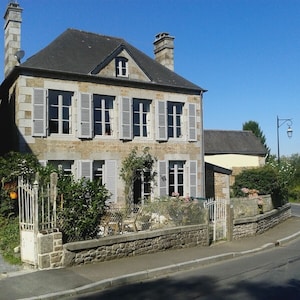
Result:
{"points": [[251, 226], [118, 246]]}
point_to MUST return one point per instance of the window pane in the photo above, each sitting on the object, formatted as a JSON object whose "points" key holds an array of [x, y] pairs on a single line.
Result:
{"points": [[53, 112], [65, 127], [107, 129], [66, 113], [53, 126], [97, 129]]}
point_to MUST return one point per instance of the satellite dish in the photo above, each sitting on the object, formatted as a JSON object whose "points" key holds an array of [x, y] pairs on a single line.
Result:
{"points": [[19, 55]]}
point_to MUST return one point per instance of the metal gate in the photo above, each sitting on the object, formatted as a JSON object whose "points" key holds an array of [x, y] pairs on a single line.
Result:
{"points": [[217, 210], [37, 212]]}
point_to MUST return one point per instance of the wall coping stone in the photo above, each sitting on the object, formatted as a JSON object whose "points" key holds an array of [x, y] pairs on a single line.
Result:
{"points": [[106, 241]]}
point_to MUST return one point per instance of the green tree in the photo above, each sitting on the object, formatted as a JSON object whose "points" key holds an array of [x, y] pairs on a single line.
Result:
{"points": [[255, 128]]}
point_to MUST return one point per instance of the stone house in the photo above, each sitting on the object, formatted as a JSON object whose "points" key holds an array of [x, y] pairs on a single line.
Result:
{"points": [[86, 100], [233, 150]]}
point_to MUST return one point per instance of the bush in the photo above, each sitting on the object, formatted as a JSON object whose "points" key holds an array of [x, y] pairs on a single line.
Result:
{"points": [[81, 208], [263, 179], [267, 180]]}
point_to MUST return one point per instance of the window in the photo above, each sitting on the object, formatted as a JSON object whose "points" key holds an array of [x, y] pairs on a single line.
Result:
{"points": [[60, 112], [141, 110], [174, 119], [104, 171], [176, 175], [142, 186], [121, 67], [98, 171], [103, 109], [66, 166]]}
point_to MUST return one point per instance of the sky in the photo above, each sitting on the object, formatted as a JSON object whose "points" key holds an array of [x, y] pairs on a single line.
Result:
{"points": [[245, 53]]}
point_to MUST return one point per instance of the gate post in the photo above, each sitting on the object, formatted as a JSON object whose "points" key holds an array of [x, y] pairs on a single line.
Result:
{"points": [[229, 220]]}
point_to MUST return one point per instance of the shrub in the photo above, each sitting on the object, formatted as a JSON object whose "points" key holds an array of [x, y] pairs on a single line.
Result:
{"points": [[82, 204]]}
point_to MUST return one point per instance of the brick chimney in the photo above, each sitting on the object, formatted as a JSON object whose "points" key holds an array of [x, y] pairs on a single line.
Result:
{"points": [[12, 36], [164, 50]]}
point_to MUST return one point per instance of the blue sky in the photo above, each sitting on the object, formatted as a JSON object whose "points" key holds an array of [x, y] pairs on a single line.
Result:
{"points": [[246, 53]]}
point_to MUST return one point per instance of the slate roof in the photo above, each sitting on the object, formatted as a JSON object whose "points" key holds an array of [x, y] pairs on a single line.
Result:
{"points": [[81, 52], [232, 142]]}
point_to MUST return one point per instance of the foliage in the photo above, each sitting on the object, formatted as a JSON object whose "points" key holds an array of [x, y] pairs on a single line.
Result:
{"points": [[82, 204], [263, 179], [9, 239], [255, 128], [14, 164], [273, 179], [130, 167]]}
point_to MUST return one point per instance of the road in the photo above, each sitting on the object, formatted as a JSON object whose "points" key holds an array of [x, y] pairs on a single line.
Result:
{"points": [[271, 274], [296, 210]]}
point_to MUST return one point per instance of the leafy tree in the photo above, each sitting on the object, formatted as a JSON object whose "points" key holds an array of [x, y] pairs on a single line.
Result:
{"points": [[255, 128]]}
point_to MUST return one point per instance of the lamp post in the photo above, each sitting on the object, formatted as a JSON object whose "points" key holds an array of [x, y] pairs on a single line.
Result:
{"points": [[289, 132]]}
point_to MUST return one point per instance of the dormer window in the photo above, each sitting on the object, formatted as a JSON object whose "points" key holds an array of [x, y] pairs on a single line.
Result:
{"points": [[121, 67]]}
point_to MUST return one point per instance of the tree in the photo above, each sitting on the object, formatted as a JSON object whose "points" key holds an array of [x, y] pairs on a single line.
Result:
{"points": [[255, 128]]}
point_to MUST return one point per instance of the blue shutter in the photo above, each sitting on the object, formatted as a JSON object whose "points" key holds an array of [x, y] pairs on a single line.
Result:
{"points": [[163, 182], [85, 116], [110, 178], [39, 117], [192, 124], [161, 121], [193, 178], [126, 119]]}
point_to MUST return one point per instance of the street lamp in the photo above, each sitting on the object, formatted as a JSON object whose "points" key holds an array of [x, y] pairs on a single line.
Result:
{"points": [[289, 132]]}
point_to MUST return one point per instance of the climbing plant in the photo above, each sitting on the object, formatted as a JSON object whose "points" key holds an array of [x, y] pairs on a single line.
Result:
{"points": [[131, 165]]}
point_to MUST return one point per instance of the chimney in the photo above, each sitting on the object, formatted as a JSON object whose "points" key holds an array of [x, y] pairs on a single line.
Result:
{"points": [[164, 50], [12, 36]]}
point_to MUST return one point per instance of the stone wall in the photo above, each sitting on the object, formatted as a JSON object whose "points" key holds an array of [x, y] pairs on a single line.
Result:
{"points": [[116, 247], [50, 250], [251, 226]]}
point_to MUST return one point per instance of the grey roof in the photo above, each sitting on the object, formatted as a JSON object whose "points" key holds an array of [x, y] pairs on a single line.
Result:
{"points": [[81, 52], [232, 142]]}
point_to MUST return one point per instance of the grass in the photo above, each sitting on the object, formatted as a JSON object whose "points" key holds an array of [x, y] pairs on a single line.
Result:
{"points": [[9, 239]]}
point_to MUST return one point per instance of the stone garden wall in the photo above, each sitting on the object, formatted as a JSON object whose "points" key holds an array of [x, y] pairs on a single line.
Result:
{"points": [[251, 226], [119, 246]]}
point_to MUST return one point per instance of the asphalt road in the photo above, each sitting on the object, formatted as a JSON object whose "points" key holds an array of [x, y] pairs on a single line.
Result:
{"points": [[272, 274], [296, 210]]}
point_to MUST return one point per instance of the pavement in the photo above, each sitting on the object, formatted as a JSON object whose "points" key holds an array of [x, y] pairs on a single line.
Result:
{"points": [[66, 282]]}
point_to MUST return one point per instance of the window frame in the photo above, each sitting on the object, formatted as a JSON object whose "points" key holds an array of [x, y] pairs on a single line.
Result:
{"points": [[143, 113], [104, 109], [60, 106], [121, 66]]}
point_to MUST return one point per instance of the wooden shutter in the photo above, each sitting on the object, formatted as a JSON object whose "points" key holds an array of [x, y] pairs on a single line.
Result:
{"points": [[192, 124], [161, 121], [39, 119], [126, 119], [193, 178], [163, 182], [85, 169], [85, 116], [110, 178]]}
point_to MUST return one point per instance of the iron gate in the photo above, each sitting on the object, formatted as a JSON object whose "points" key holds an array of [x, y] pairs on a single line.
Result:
{"points": [[217, 210]]}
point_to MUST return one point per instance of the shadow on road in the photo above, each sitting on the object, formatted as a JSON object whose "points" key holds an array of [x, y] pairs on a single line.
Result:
{"points": [[199, 288]]}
